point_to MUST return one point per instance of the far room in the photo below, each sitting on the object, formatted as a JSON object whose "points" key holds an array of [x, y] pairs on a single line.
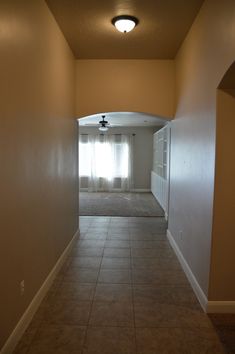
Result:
{"points": [[124, 165]]}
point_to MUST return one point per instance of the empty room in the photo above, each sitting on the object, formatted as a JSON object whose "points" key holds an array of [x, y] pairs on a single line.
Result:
{"points": [[120, 157]]}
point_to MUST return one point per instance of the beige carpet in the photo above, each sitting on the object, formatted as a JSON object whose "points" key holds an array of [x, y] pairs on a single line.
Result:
{"points": [[119, 204]]}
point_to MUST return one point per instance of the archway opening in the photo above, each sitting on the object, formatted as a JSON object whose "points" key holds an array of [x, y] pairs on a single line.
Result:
{"points": [[116, 166], [222, 286]]}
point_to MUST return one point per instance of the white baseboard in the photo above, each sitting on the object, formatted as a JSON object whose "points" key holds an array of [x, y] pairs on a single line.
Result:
{"points": [[22, 325], [208, 306], [188, 272], [221, 307], [140, 190]]}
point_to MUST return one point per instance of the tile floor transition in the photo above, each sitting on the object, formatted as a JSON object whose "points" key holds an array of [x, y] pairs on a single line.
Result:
{"points": [[121, 291]]}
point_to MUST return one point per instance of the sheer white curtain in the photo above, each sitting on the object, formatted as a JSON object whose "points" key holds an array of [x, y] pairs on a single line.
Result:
{"points": [[105, 162]]}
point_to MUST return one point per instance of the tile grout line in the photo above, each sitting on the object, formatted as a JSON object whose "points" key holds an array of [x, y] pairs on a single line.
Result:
{"points": [[85, 336], [133, 302], [92, 302]]}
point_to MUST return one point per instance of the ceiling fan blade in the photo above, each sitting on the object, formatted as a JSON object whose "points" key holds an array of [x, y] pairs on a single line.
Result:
{"points": [[91, 124], [98, 124]]}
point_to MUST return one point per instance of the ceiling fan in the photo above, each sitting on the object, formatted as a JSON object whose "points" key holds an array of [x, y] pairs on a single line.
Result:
{"points": [[103, 124]]}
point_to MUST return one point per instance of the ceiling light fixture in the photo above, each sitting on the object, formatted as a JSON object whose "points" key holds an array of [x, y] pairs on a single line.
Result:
{"points": [[125, 23], [103, 123]]}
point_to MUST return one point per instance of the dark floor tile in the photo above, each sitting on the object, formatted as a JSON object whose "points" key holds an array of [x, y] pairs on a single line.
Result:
{"points": [[95, 236], [159, 277], [150, 244], [112, 314], [58, 339], [117, 252], [118, 229], [45, 306], [177, 341], [83, 229], [165, 315], [83, 275], [115, 263], [118, 236], [152, 264], [100, 219], [113, 292], [64, 268], [146, 252], [91, 243], [146, 237], [113, 340], [100, 223], [145, 233], [145, 225], [115, 276], [182, 296], [85, 262], [88, 252], [98, 229], [69, 312], [24, 344], [122, 223], [75, 291], [82, 235], [117, 244]]}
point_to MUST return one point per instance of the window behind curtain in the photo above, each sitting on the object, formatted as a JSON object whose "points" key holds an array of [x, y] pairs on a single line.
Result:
{"points": [[106, 157]]}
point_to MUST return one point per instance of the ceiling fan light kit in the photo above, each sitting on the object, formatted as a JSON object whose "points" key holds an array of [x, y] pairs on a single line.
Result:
{"points": [[125, 23], [103, 129], [103, 125]]}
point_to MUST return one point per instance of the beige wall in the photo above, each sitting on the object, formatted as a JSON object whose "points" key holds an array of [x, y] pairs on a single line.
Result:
{"points": [[222, 284], [125, 85], [38, 153], [206, 54]]}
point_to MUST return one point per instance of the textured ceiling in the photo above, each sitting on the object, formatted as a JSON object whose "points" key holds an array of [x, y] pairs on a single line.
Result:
{"points": [[87, 27], [124, 119]]}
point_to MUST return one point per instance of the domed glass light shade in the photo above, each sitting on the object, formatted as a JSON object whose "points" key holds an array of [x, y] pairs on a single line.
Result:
{"points": [[125, 23]]}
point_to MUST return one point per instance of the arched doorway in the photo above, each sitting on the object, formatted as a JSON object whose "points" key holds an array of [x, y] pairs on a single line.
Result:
{"points": [[222, 286], [121, 160]]}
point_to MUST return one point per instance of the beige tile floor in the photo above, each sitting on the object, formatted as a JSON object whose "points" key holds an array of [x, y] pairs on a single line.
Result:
{"points": [[121, 291]]}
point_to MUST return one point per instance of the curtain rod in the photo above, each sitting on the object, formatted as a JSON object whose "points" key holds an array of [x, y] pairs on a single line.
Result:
{"points": [[104, 134]]}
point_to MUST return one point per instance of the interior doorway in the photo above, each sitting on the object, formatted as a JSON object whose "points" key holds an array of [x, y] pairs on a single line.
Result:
{"points": [[116, 162], [222, 287], [222, 260]]}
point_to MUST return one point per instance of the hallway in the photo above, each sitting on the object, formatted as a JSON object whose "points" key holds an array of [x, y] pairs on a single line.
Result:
{"points": [[121, 291]]}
